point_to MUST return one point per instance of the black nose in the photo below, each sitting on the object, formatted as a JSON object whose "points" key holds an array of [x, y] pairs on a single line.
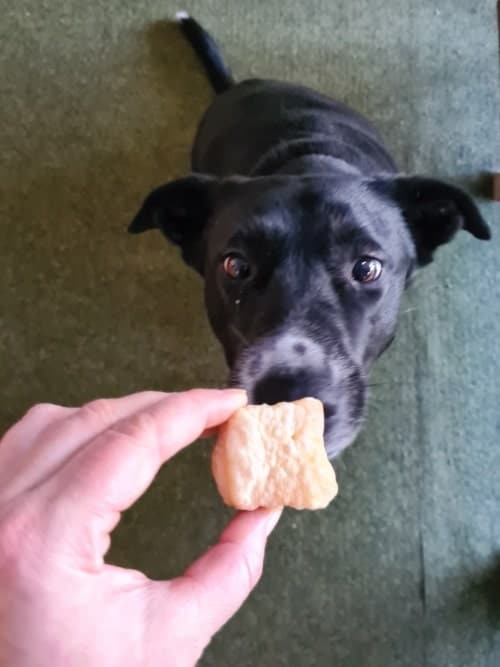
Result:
{"points": [[285, 386]]}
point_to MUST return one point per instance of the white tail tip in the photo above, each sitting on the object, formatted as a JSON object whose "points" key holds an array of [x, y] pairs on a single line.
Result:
{"points": [[181, 16]]}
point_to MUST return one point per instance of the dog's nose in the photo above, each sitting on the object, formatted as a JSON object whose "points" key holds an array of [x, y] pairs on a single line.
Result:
{"points": [[282, 386]]}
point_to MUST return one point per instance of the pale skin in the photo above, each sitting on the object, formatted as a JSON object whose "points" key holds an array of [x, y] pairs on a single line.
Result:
{"points": [[66, 474]]}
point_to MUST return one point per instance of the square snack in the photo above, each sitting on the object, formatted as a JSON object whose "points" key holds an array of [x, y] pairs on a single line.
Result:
{"points": [[274, 456]]}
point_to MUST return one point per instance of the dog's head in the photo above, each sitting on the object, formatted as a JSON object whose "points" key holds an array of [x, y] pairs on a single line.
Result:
{"points": [[304, 275]]}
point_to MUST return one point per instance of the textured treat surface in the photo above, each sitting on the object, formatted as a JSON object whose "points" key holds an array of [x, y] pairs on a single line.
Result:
{"points": [[274, 456]]}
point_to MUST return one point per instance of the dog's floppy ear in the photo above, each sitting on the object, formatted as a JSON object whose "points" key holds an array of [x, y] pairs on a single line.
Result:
{"points": [[434, 211], [181, 210]]}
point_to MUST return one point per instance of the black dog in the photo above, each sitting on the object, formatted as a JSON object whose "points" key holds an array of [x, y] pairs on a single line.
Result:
{"points": [[306, 236]]}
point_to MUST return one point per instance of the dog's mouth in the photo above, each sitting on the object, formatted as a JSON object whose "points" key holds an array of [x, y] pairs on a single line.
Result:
{"points": [[339, 386], [341, 425]]}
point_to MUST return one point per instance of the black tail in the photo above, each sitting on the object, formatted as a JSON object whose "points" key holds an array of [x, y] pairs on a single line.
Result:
{"points": [[207, 51]]}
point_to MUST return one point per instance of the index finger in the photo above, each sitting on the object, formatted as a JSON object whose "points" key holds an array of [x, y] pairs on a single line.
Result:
{"points": [[113, 471]]}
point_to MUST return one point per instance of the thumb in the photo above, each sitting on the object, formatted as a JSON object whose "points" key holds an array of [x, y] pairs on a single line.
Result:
{"points": [[216, 585]]}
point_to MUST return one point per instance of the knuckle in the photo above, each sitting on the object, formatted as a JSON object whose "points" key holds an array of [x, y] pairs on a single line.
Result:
{"points": [[42, 411], [137, 427], [100, 409], [252, 566], [196, 397]]}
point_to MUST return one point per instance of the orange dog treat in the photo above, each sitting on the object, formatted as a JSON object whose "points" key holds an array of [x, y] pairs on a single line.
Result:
{"points": [[274, 456]]}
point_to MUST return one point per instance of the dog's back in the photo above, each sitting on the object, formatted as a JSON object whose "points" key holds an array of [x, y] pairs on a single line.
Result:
{"points": [[285, 122]]}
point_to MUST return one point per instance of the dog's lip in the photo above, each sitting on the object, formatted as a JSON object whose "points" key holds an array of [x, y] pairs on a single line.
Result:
{"points": [[329, 410]]}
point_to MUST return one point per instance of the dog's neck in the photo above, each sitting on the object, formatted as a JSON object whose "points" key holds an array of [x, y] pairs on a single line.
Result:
{"points": [[303, 155], [317, 163], [322, 154]]}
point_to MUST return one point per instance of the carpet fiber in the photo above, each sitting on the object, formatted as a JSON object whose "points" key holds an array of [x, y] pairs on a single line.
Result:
{"points": [[99, 103]]}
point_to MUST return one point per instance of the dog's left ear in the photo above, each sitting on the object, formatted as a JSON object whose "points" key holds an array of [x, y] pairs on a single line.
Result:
{"points": [[181, 210], [434, 211]]}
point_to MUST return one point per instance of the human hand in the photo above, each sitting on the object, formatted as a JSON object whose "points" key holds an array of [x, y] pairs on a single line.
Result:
{"points": [[66, 474]]}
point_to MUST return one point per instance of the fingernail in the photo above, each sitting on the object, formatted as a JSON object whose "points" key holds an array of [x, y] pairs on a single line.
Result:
{"points": [[272, 520]]}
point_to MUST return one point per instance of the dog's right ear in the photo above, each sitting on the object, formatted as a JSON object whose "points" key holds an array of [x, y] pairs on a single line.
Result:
{"points": [[181, 210], [433, 210]]}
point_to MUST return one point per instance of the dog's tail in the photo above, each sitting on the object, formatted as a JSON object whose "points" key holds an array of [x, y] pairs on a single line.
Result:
{"points": [[207, 51]]}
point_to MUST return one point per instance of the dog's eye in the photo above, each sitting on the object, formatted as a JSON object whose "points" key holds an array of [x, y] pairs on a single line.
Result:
{"points": [[367, 269], [236, 267]]}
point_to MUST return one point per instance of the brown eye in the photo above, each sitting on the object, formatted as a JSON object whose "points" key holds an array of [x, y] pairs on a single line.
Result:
{"points": [[367, 269], [235, 267]]}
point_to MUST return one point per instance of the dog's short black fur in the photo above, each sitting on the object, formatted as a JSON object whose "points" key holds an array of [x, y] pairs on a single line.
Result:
{"points": [[306, 236]]}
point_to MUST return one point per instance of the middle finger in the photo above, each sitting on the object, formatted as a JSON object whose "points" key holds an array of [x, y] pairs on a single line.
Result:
{"points": [[61, 439]]}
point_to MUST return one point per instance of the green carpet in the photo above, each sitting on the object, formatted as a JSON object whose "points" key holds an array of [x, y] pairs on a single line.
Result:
{"points": [[99, 102]]}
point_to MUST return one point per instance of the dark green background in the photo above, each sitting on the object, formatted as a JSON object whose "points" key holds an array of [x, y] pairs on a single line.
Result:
{"points": [[99, 102]]}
